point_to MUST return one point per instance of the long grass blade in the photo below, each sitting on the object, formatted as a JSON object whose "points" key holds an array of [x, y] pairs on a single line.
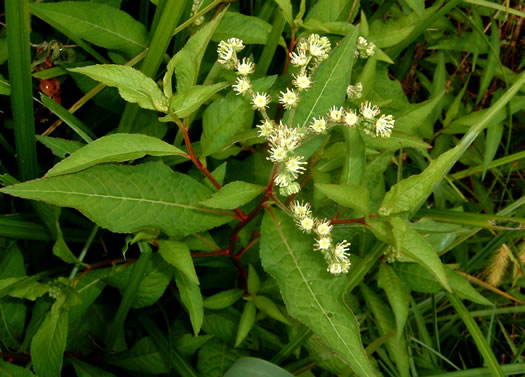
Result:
{"points": [[477, 335], [19, 63]]}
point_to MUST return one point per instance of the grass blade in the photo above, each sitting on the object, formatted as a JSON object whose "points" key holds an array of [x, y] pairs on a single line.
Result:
{"points": [[477, 335], [19, 63]]}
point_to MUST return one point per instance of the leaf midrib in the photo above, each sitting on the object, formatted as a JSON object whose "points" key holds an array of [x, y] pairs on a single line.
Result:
{"points": [[80, 20], [290, 252], [325, 85], [113, 197]]}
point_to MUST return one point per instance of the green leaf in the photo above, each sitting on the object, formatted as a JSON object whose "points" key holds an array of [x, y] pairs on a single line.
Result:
{"points": [[462, 288], [99, 24], [413, 118], [407, 194], [246, 322], [12, 370], [287, 255], [351, 196], [494, 135], [253, 282], [286, 10], [397, 293], [267, 306], [60, 147], [418, 6], [250, 366], [186, 62], [487, 74], [87, 370], [132, 85], [49, 343], [252, 30], [222, 120], [223, 299], [154, 281], [391, 32], [178, 255], [396, 141], [191, 298], [419, 249], [143, 358], [186, 103], [113, 148], [215, 357], [126, 199], [29, 291], [234, 195], [397, 347], [354, 166], [330, 81]]}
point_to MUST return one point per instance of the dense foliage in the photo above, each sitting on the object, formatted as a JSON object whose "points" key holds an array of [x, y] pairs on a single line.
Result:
{"points": [[273, 188]]}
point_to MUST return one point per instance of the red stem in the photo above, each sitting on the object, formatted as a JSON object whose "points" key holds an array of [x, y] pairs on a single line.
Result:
{"points": [[211, 254], [193, 157]]}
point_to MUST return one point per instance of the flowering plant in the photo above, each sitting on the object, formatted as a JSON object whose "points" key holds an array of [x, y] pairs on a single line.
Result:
{"points": [[284, 182]]}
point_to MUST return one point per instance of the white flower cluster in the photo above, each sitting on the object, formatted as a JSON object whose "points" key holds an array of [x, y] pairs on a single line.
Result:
{"points": [[313, 49], [365, 49], [335, 255], [366, 119], [194, 10], [283, 140], [354, 91], [227, 52]]}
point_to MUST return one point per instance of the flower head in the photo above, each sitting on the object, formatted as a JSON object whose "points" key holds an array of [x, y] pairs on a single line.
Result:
{"points": [[236, 44], [323, 227], [245, 67], [242, 85], [384, 125], [306, 224], [299, 59], [351, 118], [291, 189], [368, 110], [318, 125], [338, 268], [295, 166], [302, 81], [289, 99], [260, 101], [300, 210], [323, 243], [335, 114], [340, 250], [266, 128]]}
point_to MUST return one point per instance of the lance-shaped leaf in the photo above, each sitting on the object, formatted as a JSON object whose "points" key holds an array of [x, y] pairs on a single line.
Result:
{"points": [[133, 85], [127, 199], [311, 294], [348, 195], [100, 24], [186, 63], [415, 246], [397, 293], [49, 343], [113, 148], [185, 103], [234, 195], [329, 83], [191, 297], [178, 255]]}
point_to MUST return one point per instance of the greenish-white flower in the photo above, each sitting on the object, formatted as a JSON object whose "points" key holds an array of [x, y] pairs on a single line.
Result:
{"points": [[260, 101], [242, 85]]}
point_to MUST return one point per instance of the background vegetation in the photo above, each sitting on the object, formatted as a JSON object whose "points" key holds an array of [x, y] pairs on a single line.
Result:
{"points": [[184, 258]]}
